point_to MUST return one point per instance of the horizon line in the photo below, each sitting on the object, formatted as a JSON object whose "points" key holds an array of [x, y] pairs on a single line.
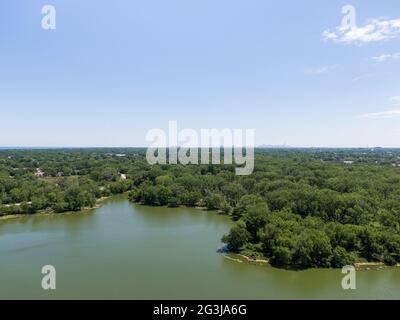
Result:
{"points": [[199, 147]]}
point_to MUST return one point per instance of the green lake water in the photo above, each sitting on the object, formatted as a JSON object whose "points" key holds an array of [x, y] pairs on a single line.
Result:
{"points": [[127, 251]]}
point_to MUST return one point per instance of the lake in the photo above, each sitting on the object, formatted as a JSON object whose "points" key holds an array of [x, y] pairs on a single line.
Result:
{"points": [[128, 251]]}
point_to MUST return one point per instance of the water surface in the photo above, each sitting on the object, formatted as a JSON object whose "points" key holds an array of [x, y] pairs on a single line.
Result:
{"points": [[128, 251]]}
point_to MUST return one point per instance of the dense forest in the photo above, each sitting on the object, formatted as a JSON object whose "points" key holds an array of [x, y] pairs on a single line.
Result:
{"points": [[299, 209]]}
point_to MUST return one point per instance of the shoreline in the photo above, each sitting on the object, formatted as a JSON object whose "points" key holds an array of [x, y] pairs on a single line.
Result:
{"points": [[359, 266], [47, 212], [236, 257], [242, 258]]}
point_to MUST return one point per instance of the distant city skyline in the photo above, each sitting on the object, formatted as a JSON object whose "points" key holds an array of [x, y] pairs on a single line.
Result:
{"points": [[110, 72]]}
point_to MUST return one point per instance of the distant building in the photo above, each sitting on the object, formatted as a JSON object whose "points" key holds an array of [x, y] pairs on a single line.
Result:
{"points": [[116, 154], [348, 162], [39, 173]]}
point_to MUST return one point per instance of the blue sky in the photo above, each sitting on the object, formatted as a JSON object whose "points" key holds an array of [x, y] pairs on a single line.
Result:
{"points": [[112, 70]]}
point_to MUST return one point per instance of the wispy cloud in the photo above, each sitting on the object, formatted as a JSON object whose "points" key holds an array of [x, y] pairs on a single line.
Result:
{"points": [[375, 30], [320, 70], [394, 113], [396, 99], [391, 113], [362, 77], [387, 56]]}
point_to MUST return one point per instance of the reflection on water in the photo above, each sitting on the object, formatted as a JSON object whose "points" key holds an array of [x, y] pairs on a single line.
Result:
{"points": [[128, 251]]}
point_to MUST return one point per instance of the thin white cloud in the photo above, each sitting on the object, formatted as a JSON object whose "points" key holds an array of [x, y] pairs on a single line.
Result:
{"points": [[396, 99], [387, 56], [375, 30], [319, 70], [394, 113], [362, 77]]}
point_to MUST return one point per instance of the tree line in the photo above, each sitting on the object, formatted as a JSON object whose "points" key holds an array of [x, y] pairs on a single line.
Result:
{"points": [[299, 209]]}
